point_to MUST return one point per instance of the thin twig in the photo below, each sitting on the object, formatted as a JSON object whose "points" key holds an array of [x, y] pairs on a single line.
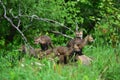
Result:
{"points": [[19, 21], [77, 27], [57, 32], [10, 11]]}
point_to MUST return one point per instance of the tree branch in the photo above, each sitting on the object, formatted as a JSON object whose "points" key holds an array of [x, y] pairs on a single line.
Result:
{"points": [[32, 17], [46, 20], [57, 32], [77, 26], [11, 22]]}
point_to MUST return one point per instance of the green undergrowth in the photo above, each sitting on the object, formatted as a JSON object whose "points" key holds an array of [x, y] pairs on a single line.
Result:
{"points": [[105, 66]]}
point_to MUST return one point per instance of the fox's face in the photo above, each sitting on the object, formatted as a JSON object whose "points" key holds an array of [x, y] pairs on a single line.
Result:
{"points": [[79, 34], [90, 38]]}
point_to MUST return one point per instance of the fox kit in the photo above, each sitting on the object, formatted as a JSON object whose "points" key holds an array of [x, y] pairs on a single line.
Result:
{"points": [[44, 42]]}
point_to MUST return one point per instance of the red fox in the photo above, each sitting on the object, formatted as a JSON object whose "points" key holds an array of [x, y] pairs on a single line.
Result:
{"points": [[44, 42]]}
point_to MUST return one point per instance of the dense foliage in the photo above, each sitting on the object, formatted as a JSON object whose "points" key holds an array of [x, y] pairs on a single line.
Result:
{"points": [[100, 18]]}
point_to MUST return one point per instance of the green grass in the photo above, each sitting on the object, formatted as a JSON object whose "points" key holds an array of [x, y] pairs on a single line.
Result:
{"points": [[103, 67]]}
